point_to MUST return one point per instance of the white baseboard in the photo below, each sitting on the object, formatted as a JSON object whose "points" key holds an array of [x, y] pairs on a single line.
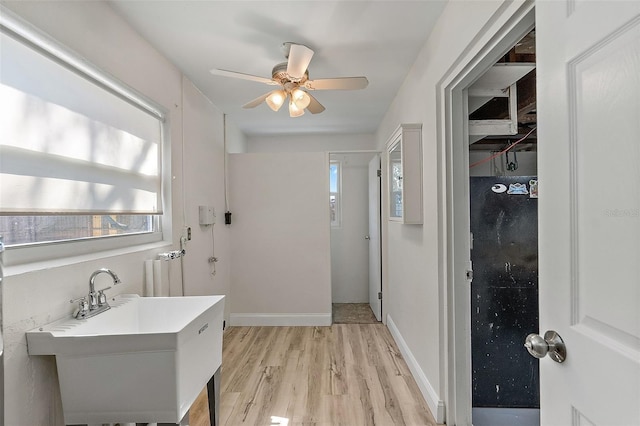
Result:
{"points": [[436, 405], [281, 320]]}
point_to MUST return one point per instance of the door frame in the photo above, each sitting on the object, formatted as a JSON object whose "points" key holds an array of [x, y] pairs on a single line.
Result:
{"points": [[510, 22], [382, 228]]}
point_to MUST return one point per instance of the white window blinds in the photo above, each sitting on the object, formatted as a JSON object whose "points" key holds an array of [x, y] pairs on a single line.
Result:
{"points": [[68, 145]]}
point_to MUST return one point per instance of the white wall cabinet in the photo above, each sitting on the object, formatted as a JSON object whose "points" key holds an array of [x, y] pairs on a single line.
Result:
{"points": [[404, 171]]}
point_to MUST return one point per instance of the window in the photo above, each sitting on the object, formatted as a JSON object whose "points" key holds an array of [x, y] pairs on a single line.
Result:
{"points": [[80, 153], [334, 193], [20, 230]]}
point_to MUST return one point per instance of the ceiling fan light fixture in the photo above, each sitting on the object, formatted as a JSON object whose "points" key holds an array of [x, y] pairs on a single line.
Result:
{"points": [[292, 78], [276, 99], [300, 98], [294, 111]]}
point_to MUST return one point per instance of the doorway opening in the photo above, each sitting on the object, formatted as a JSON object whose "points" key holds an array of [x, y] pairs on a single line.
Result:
{"points": [[356, 275], [499, 36], [503, 195]]}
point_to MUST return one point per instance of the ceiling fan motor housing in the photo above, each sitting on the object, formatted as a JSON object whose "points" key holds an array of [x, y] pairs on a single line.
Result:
{"points": [[279, 75]]}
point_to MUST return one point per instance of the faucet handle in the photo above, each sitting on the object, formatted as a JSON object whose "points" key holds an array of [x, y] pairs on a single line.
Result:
{"points": [[83, 307], [102, 298]]}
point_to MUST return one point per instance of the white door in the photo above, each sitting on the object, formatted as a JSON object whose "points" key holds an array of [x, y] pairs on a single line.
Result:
{"points": [[589, 209], [375, 272]]}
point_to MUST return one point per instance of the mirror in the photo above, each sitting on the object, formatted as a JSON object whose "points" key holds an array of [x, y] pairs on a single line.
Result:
{"points": [[395, 181]]}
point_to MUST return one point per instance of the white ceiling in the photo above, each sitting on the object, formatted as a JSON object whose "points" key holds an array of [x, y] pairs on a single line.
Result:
{"points": [[377, 39]]}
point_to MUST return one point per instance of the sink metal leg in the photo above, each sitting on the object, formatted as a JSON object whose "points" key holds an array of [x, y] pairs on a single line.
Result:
{"points": [[213, 395]]}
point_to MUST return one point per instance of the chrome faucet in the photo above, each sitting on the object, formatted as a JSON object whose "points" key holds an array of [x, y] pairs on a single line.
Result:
{"points": [[95, 302], [93, 276]]}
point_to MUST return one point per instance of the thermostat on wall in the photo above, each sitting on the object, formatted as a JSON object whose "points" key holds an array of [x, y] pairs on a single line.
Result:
{"points": [[207, 215]]}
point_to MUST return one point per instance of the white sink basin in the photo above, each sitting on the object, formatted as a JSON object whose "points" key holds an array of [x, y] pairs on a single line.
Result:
{"points": [[144, 360]]}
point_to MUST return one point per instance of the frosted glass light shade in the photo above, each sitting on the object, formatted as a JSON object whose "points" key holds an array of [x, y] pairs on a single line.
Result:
{"points": [[300, 98], [294, 111], [276, 99]]}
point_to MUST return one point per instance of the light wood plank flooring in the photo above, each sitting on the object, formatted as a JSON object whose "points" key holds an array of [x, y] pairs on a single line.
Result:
{"points": [[346, 374]]}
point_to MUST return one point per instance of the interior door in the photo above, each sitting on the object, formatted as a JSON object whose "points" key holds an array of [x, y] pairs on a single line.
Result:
{"points": [[375, 269], [589, 209]]}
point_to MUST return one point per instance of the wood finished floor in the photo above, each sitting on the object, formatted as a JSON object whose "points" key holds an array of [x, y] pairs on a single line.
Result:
{"points": [[346, 374]]}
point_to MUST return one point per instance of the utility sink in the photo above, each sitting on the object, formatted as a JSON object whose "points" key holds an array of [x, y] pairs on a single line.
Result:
{"points": [[145, 360]]}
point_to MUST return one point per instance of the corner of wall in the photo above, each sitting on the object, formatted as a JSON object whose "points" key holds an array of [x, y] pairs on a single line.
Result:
{"points": [[236, 140]]}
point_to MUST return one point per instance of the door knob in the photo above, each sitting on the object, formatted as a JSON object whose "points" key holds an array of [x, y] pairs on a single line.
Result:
{"points": [[366, 237], [551, 344]]}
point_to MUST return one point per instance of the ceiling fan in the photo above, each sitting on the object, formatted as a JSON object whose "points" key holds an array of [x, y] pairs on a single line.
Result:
{"points": [[292, 77]]}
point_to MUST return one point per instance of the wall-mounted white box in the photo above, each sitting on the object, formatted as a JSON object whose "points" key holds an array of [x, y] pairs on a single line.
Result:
{"points": [[207, 215]]}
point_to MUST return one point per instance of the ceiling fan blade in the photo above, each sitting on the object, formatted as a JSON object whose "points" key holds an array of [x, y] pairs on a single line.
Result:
{"points": [[243, 76], [299, 58], [257, 101], [314, 106], [345, 83]]}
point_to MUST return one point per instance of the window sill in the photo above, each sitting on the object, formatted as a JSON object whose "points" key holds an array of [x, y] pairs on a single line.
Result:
{"points": [[22, 268]]}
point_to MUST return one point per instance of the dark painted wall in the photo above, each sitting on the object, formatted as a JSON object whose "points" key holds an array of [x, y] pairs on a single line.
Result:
{"points": [[504, 292]]}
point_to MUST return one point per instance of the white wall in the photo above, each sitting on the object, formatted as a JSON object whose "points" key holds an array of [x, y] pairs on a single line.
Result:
{"points": [[204, 153], [349, 258], [236, 140], [280, 246], [311, 143], [349, 261], [36, 294], [349, 248], [414, 296]]}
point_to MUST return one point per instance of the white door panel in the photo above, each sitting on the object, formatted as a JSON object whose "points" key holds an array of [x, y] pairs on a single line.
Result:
{"points": [[588, 55], [375, 272]]}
